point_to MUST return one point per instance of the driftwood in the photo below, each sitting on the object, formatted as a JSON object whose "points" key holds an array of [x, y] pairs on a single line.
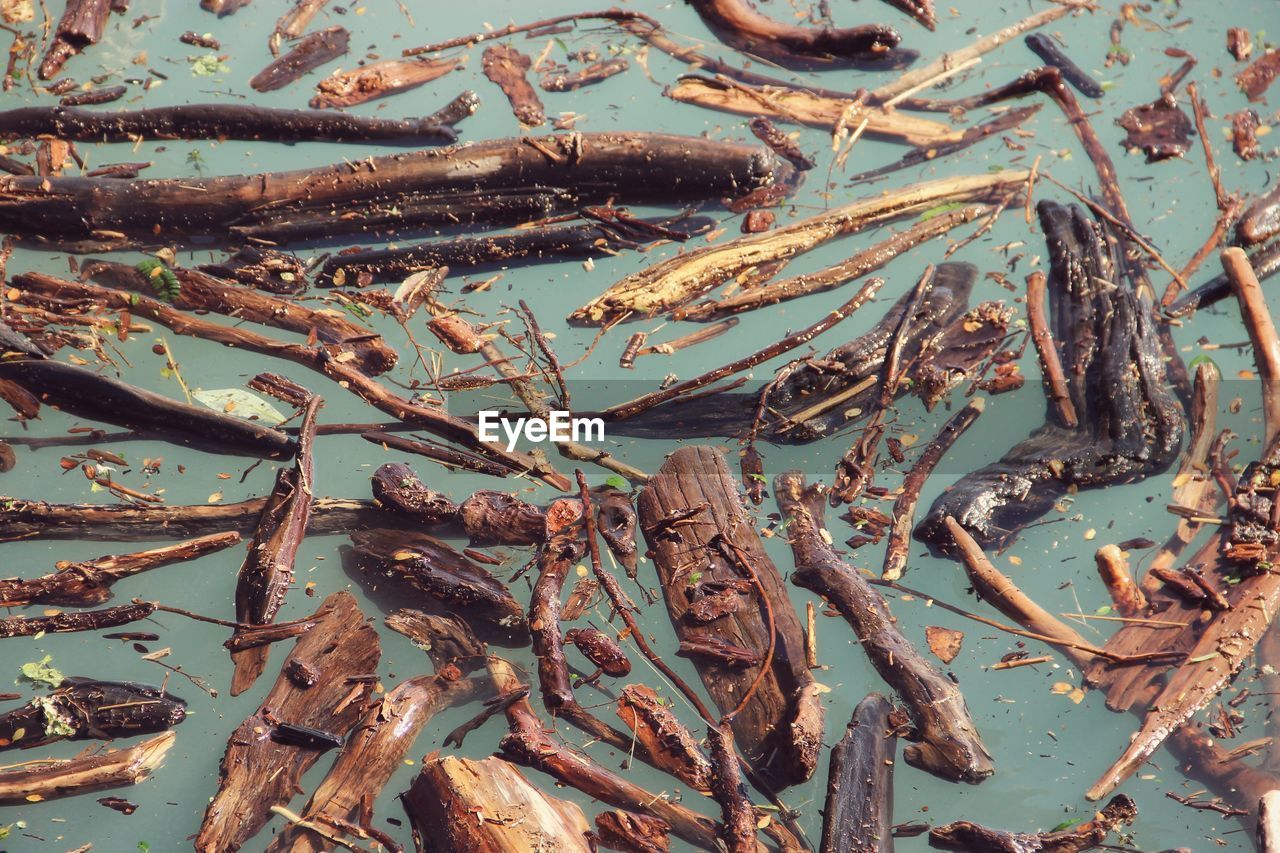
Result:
{"points": [[82, 708], [449, 792], [83, 23], [434, 572], [1047, 49], [509, 69], [214, 121], [267, 571], [1265, 262], [743, 28], [631, 832], [87, 583], [306, 55], [199, 291], [589, 76], [858, 815], [778, 729], [372, 753], [670, 745], [378, 80], [523, 179], [294, 23], [1129, 426], [948, 744], [24, 519], [968, 836], [258, 772], [84, 620], [114, 768], [675, 282]]}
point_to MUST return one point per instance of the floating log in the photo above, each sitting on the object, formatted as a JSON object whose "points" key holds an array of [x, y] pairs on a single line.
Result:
{"points": [[779, 728], [968, 836], [740, 26], [258, 772], [380, 80], [509, 69], [449, 792], [948, 744], [371, 755], [86, 583], [65, 778], [83, 620], [858, 816], [1130, 427], [215, 121], [82, 23], [306, 55], [83, 708], [1047, 49], [522, 179]]}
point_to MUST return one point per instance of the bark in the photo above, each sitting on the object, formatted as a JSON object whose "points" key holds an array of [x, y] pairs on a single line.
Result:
{"points": [[858, 816], [447, 639], [1268, 834], [294, 23], [921, 10], [449, 792], [307, 55], [949, 745], [1047, 49], [373, 752], [775, 730], [257, 772], [521, 180], [1265, 262], [508, 68], [1130, 427], [84, 393], [267, 571], [82, 708], [965, 835], [379, 80], [434, 574], [675, 282], [631, 832], [547, 244], [88, 583], [214, 121], [672, 747], [64, 778], [202, 292], [740, 26], [82, 24], [24, 519], [589, 76], [85, 620], [1160, 129]]}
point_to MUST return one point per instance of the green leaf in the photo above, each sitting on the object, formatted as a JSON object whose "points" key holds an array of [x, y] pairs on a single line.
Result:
{"points": [[41, 673], [1104, 610], [55, 725], [1066, 824], [617, 482], [937, 210], [242, 404], [759, 477], [1198, 360], [143, 846], [208, 65]]}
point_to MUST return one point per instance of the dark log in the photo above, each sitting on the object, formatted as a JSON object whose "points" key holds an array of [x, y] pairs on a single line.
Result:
{"points": [[201, 292], [215, 121], [257, 772], [548, 244], [948, 744], [1130, 427], [449, 792], [82, 708], [968, 836], [397, 488], [267, 571], [24, 519], [921, 10], [87, 583], [372, 753], [379, 80], [779, 729], [434, 572], [307, 55], [1047, 49], [447, 639], [83, 393], [1160, 129], [508, 68], [85, 620], [858, 816], [94, 96], [82, 24], [522, 179], [64, 778], [265, 269], [743, 28]]}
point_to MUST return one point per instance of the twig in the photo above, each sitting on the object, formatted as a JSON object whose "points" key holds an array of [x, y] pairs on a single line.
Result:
{"points": [[1262, 332], [1042, 338]]}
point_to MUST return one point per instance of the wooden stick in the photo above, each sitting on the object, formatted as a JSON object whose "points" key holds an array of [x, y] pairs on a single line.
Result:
{"points": [[1262, 332], [1050, 362]]}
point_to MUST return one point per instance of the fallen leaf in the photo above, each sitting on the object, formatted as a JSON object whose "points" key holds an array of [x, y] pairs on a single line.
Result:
{"points": [[944, 642]]}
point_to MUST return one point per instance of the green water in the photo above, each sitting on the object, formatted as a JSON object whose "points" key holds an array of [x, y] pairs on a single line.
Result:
{"points": [[1047, 749]]}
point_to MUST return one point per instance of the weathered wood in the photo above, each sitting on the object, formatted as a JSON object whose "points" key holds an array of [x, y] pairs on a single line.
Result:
{"points": [[948, 744], [82, 708], [64, 778], [968, 836], [82, 24], [739, 25], [306, 55], [371, 755], [858, 816], [380, 80], [519, 180], [776, 729], [83, 620], [257, 772], [449, 792]]}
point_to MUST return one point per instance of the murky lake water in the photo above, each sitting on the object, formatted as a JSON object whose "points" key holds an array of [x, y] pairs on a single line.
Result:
{"points": [[1047, 748]]}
